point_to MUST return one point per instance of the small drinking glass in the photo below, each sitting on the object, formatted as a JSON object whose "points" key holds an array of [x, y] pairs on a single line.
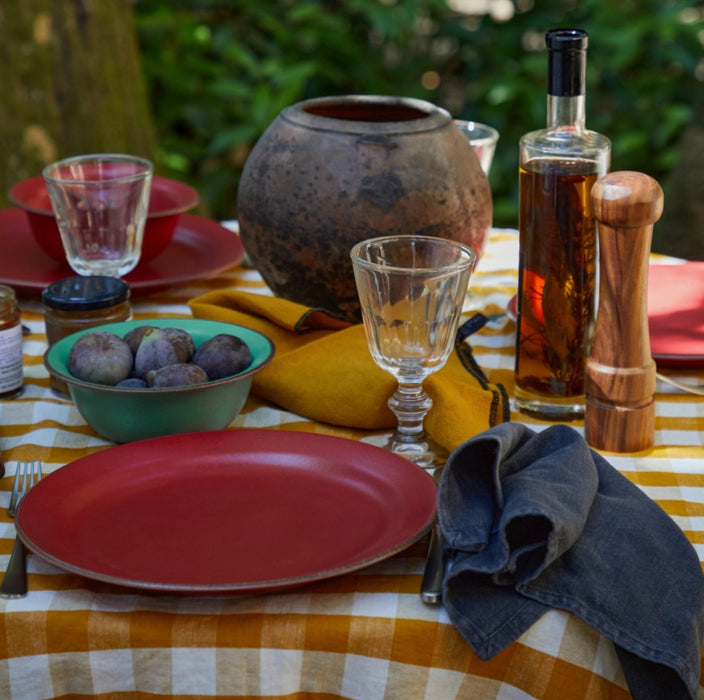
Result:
{"points": [[483, 139], [411, 291], [100, 202]]}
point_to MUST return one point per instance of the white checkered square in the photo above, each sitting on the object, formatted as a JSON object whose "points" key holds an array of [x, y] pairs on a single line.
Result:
{"points": [[29, 678], [606, 663], [194, 671], [375, 605], [110, 670], [365, 678], [280, 671], [546, 634], [443, 683]]}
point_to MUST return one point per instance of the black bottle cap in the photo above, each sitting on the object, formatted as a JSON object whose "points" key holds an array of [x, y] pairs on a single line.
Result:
{"points": [[567, 61], [85, 293]]}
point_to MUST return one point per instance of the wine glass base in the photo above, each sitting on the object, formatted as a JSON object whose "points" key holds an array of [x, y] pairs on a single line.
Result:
{"points": [[424, 451]]}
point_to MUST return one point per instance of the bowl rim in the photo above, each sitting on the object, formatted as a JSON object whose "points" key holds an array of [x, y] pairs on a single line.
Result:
{"points": [[190, 196], [265, 356]]}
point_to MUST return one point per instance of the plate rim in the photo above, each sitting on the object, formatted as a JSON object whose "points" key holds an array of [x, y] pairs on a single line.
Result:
{"points": [[159, 182], [14, 218]]}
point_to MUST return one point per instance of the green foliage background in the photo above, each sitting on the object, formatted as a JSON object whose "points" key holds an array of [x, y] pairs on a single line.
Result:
{"points": [[219, 72]]}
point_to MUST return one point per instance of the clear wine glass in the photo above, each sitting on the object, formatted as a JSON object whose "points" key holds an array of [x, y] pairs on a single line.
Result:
{"points": [[411, 290]]}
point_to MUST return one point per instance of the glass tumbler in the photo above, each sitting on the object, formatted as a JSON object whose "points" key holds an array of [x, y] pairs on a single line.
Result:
{"points": [[483, 139], [100, 202]]}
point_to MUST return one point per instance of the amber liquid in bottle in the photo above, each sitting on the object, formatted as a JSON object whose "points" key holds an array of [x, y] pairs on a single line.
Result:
{"points": [[557, 277], [557, 273]]}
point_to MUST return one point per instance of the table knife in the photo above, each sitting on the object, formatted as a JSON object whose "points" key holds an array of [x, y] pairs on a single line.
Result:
{"points": [[431, 585]]}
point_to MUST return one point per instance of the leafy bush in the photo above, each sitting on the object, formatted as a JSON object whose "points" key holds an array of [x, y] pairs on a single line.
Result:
{"points": [[220, 72]]}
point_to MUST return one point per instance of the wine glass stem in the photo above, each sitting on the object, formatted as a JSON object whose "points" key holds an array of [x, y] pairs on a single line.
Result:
{"points": [[410, 405]]}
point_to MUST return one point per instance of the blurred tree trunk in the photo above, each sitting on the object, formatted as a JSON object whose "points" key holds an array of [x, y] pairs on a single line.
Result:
{"points": [[680, 231], [71, 83]]}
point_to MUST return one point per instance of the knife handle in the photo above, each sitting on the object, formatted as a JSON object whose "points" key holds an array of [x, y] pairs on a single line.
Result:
{"points": [[431, 585]]}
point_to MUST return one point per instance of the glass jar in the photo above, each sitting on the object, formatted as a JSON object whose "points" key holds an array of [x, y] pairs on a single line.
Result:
{"points": [[11, 372], [76, 303]]}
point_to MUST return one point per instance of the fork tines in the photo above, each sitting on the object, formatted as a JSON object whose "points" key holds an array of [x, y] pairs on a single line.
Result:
{"points": [[26, 475]]}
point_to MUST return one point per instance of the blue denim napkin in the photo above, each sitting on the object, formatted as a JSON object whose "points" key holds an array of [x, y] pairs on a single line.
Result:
{"points": [[534, 521]]}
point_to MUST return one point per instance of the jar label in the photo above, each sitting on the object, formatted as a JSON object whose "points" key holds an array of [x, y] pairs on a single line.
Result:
{"points": [[10, 358]]}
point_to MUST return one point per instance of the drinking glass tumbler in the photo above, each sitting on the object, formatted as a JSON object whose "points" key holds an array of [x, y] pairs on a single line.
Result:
{"points": [[100, 202], [483, 139], [411, 291]]}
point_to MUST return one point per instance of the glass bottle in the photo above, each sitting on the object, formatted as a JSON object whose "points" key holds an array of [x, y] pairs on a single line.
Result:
{"points": [[557, 273], [11, 368]]}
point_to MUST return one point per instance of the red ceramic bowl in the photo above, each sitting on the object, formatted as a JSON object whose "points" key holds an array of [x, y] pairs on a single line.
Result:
{"points": [[168, 200]]}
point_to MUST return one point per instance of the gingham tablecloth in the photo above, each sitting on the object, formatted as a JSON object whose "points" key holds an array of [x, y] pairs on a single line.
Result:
{"points": [[362, 636]]}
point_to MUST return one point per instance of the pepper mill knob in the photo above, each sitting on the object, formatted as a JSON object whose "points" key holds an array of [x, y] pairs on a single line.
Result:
{"points": [[620, 372]]}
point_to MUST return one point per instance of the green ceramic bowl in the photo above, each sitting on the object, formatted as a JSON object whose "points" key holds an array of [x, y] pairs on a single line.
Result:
{"points": [[124, 415]]}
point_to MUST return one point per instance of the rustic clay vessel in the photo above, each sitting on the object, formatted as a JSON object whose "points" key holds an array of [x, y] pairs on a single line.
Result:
{"points": [[330, 172]]}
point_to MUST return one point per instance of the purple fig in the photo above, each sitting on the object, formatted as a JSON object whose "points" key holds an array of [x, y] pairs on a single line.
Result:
{"points": [[132, 383], [181, 374], [134, 337], [155, 351], [182, 342], [223, 356], [100, 357]]}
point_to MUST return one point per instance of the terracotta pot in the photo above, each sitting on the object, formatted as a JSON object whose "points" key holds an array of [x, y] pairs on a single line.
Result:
{"points": [[333, 171]]}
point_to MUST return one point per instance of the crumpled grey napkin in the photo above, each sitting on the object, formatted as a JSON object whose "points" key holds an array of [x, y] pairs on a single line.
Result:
{"points": [[534, 521]]}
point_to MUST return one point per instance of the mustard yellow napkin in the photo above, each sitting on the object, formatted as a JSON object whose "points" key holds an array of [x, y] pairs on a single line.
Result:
{"points": [[322, 370]]}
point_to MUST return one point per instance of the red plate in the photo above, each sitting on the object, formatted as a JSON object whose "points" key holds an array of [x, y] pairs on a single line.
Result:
{"points": [[227, 511], [200, 248], [676, 314]]}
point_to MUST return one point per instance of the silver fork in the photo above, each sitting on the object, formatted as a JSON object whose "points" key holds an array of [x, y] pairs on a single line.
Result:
{"points": [[14, 584]]}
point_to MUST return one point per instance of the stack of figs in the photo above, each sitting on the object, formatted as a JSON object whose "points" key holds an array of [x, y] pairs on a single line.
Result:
{"points": [[148, 356]]}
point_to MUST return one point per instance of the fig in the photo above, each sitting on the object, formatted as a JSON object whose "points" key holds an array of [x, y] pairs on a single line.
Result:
{"points": [[222, 356], [182, 342], [155, 351], [181, 374], [134, 337], [100, 357], [132, 383]]}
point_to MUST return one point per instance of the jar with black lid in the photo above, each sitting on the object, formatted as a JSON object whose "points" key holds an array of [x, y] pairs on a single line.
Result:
{"points": [[76, 303]]}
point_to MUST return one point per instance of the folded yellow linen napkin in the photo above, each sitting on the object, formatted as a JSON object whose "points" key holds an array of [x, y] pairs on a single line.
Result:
{"points": [[323, 370]]}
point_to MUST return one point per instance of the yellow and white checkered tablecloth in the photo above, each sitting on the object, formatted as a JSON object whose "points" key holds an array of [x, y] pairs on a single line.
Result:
{"points": [[361, 636]]}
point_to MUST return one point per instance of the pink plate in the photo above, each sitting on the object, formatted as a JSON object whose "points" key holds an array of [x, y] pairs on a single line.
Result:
{"points": [[200, 248], [676, 314], [227, 511]]}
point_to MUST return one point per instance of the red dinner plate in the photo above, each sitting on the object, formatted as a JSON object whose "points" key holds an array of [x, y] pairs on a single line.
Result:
{"points": [[200, 248], [227, 511], [676, 314]]}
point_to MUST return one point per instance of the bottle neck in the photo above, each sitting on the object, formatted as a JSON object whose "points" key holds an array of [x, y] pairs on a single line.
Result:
{"points": [[566, 113]]}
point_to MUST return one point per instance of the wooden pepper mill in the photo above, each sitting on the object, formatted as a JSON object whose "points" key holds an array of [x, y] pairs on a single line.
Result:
{"points": [[620, 374]]}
